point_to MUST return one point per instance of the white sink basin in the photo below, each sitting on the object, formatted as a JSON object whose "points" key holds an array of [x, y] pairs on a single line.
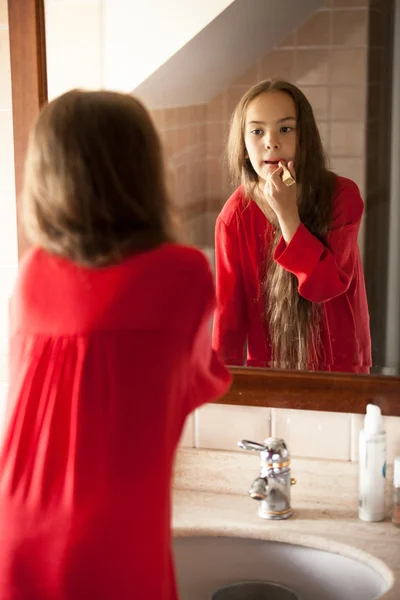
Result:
{"points": [[204, 564]]}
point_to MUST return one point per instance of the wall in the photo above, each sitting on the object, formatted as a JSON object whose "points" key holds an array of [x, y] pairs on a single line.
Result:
{"points": [[149, 33], [327, 58], [308, 434], [8, 222]]}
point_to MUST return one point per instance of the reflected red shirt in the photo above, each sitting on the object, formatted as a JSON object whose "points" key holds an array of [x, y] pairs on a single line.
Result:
{"points": [[328, 273], [105, 365]]}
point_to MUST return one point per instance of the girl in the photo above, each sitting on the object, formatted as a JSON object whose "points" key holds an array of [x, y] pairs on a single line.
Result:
{"points": [[289, 276], [109, 352]]}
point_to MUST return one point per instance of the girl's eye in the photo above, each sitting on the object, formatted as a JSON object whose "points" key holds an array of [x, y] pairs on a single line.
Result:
{"points": [[286, 129], [256, 132]]}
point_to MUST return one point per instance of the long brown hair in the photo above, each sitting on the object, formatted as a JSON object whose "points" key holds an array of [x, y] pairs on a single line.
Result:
{"points": [[94, 187], [292, 321]]}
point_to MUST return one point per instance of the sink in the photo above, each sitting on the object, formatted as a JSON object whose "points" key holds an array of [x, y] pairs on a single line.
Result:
{"points": [[204, 564]]}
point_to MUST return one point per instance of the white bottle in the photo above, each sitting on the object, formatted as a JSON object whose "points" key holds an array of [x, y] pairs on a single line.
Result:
{"points": [[372, 466]]}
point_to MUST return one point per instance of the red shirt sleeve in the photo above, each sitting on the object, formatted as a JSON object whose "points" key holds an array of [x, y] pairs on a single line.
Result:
{"points": [[230, 318], [325, 271], [209, 378]]}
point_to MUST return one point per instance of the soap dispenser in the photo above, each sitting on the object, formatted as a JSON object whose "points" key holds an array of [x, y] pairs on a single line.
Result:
{"points": [[372, 466]]}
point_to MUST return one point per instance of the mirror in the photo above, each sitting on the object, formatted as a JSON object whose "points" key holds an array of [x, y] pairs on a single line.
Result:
{"points": [[341, 53]]}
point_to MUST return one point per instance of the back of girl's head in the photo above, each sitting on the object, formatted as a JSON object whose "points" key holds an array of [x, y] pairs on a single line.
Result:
{"points": [[94, 188], [310, 161]]}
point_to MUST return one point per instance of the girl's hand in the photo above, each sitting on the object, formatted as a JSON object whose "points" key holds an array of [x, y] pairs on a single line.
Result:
{"points": [[281, 198], [283, 201]]}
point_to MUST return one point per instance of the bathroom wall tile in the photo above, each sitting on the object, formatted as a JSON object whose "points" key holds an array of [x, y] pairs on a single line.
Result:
{"points": [[315, 32], [348, 103], [319, 99], [7, 279], [347, 139], [215, 110], [187, 437], [350, 28], [3, 405], [5, 71], [311, 67], [313, 434], [248, 78], [220, 427], [8, 230], [74, 37], [278, 63], [6, 151], [350, 3], [214, 178], [392, 427], [3, 12], [324, 129], [216, 135], [232, 96], [348, 66], [288, 42], [353, 168]]}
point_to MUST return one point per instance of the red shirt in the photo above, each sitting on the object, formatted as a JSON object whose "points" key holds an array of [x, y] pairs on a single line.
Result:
{"points": [[105, 365], [329, 273]]}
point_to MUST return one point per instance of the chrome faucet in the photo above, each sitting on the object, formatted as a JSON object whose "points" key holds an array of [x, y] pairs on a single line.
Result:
{"points": [[272, 487]]}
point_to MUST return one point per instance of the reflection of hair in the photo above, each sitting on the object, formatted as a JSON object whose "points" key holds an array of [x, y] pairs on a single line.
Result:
{"points": [[94, 188], [292, 321]]}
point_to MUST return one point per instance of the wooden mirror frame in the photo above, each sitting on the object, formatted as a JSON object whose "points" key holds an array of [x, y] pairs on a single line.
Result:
{"points": [[337, 392]]}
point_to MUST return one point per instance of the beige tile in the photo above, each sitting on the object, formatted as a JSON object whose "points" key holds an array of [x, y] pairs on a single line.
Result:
{"points": [[248, 78], [353, 168], [216, 134], [350, 3], [315, 32], [220, 427], [319, 100], [350, 27], [288, 42], [158, 116], [3, 12], [8, 230], [278, 63], [214, 178], [347, 139], [171, 118], [3, 405], [348, 103], [311, 67], [5, 71], [232, 97], [313, 434], [73, 46], [324, 128], [6, 151], [348, 66], [7, 278], [187, 437], [215, 110], [392, 428]]}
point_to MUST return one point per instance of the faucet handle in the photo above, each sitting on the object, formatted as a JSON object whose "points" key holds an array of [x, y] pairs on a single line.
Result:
{"points": [[248, 445]]}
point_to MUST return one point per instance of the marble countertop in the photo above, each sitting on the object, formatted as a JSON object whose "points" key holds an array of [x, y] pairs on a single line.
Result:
{"points": [[210, 498]]}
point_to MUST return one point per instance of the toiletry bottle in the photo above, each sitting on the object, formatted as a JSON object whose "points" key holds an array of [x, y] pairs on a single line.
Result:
{"points": [[372, 466], [396, 492]]}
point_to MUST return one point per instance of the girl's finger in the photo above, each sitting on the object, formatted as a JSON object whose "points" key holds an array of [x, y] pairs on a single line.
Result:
{"points": [[291, 169]]}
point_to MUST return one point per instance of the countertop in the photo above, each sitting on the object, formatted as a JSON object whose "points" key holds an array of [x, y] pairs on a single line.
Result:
{"points": [[210, 498]]}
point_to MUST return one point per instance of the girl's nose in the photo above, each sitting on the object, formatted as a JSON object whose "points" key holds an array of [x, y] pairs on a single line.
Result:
{"points": [[271, 143]]}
